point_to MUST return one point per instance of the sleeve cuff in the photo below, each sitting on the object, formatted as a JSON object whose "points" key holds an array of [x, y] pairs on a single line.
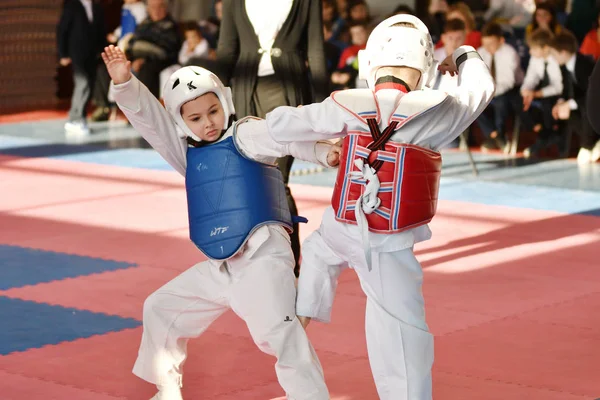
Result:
{"points": [[463, 53], [127, 95], [573, 104]]}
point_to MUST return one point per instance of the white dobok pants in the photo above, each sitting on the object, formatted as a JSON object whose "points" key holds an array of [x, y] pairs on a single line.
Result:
{"points": [[258, 285], [399, 344]]}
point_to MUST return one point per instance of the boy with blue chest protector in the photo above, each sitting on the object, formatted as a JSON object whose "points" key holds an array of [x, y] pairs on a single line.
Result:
{"points": [[238, 217]]}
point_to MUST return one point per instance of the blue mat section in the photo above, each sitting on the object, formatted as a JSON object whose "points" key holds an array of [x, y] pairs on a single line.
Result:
{"points": [[27, 325], [20, 266], [520, 196]]}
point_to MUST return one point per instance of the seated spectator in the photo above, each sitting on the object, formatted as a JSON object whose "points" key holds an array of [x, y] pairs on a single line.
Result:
{"points": [[503, 61], [545, 18], [571, 110], [347, 70], [194, 47], [154, 45], [591, 42], [453, 37], [542, 83], [461, 11]]}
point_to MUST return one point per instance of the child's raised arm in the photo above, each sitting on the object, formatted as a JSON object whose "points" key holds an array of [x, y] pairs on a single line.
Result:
{"points": [[144, 111]]}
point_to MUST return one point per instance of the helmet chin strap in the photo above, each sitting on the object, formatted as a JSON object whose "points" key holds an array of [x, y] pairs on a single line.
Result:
{"points": [[391, 82], [199, 143]]}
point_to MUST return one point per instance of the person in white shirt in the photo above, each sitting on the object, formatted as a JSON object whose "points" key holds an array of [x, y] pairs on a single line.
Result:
{"points": [[504, 64], [453, 37], [386, 191], [542, 86], [273, 54], [239, 219]]}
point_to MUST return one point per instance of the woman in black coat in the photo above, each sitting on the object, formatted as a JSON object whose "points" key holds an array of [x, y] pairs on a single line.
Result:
{"points": [[298, 61]]}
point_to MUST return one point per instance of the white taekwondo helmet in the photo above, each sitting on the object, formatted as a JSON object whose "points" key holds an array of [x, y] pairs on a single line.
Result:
{"points": [[398, 46], [191, 82]]}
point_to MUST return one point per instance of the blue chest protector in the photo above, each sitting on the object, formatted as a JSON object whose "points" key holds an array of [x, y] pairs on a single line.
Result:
{"points": [[229, 197]]}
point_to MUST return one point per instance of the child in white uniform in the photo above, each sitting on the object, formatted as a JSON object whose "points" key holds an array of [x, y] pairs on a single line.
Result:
{"points": [[254, 275], [386, 191]]}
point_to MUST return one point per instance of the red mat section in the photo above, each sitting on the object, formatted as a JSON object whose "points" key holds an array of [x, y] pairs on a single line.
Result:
{"points": [[512, 295]]}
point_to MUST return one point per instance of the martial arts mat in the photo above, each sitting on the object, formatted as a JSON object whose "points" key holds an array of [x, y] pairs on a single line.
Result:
{"points": [[512, 294]]}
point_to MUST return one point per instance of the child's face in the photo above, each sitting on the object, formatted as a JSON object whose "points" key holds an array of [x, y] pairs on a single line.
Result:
{"points": [[453, 40], [359, 35], [192, 37], [359, 12], [204, 116], [543, 17], [539, 51], [491, 43], [562, 57]]}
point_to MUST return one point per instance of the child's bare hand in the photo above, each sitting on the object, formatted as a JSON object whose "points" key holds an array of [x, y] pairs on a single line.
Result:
{"points": [[333, 156], [117, 65], [304, 321], [448, 66]]}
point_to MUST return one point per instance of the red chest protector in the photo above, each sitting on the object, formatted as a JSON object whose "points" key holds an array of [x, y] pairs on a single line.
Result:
{"points": [[409, 176]]}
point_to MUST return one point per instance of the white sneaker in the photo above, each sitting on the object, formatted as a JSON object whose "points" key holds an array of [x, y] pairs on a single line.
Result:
{"points": [[596, 152], [584, 156], [77, 128], [170, 392]]}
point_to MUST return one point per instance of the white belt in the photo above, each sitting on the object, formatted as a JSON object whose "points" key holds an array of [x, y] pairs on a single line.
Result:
{"points": [[366, 203]]}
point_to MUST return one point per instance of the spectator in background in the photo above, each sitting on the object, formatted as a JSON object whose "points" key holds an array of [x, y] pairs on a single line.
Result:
{"points": [[333, 24], [455, 33], [193, 47], [133, 13], [542, 83], [81, 37], [347, 70], [504, 64], [591, 42], [545, 18], [571, 109], [461, 11], [154, 45], [358, 12], [273, 59]]}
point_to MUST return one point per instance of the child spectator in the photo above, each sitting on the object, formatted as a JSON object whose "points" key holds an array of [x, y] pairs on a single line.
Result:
{"points": [[504, 63], [453, 37], [542, 83], [347, 69]]}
